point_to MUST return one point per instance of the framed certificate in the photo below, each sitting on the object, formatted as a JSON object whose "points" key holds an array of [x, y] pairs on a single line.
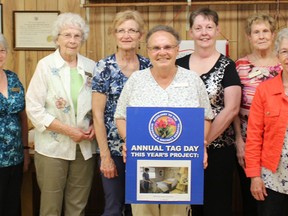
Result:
{"points": [[1, 18], [32, 30]]}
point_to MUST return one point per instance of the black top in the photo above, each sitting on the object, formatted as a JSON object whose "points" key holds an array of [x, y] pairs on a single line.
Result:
{"points": [[222, 75]]}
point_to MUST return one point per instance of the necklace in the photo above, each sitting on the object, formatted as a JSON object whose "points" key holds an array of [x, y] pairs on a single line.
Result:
{"points": [[2, 75], [3, 84], [127, 67]]}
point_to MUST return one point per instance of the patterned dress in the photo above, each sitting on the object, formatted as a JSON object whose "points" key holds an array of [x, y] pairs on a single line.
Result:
{"points": [[109, 80], [11, 148], [251, 76]]}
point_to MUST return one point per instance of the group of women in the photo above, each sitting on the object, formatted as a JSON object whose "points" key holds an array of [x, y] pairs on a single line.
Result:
{"points": [[71, 100]]}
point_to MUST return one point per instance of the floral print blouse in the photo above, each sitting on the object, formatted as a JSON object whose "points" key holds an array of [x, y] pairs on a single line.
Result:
{"points": [[11, 147], [48, 97], [278, 181], [185, 90], [109, 80]]}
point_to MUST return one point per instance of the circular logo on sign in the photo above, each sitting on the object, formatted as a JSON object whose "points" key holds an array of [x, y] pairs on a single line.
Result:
{"points": [[165, 127]]}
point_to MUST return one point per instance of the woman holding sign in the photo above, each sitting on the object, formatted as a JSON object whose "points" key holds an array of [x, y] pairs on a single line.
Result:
{"points": [[164, 84]]}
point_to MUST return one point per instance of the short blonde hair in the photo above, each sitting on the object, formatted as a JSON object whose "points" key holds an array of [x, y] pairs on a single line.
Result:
{"points": [[259, 18], [121, 17]]}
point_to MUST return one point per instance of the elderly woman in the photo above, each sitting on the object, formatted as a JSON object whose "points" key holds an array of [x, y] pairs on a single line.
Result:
{"points": [[59, 106], [111, 73], [260, 65], [266, 152], [164, 84], [222, 82], [14, 155]]}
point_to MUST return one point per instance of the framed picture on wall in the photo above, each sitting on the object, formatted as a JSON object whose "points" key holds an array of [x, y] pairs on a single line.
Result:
{"points": [[32, 30], [1, 18]]}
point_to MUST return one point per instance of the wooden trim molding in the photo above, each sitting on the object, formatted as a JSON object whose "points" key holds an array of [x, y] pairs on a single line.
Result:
{"points": [[145, 4]]}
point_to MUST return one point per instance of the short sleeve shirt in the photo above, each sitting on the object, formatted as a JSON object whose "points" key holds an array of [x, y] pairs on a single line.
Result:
{"points": [[185, 90], [109, 80], [11, 147]]}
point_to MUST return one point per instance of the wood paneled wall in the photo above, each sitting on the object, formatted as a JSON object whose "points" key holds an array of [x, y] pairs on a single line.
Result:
{"points": [[100, 43]]}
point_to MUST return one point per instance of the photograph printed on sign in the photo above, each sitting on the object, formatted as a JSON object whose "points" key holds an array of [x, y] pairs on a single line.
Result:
{"points": [[163, 180]]}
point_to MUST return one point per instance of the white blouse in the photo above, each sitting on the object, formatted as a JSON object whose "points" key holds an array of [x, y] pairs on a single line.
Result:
{"points": [[186, 90], [48, 97]]}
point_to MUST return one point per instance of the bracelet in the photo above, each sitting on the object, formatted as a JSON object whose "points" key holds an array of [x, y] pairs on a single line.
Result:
{"points": [[26, 147]]}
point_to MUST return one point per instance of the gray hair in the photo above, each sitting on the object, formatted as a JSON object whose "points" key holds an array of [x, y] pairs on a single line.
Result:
{"points": [[69, 20], [4, 42], [260, 18], [283, 34], [164, 28]]}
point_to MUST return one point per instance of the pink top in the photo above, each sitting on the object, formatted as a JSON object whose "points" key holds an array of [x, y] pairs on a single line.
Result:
{"points": [[251, 76]]}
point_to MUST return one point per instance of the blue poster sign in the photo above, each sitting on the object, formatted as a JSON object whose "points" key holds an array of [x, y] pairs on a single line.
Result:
{"points": [[165, 148]]}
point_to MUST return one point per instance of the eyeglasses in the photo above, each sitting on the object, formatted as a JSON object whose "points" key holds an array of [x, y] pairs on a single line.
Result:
{"points": [[69, 36], [283, 53], [167, 48], [131, 32]]}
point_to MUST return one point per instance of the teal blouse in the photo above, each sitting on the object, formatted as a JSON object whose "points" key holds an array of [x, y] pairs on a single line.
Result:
{"points": [[11, 148]]}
